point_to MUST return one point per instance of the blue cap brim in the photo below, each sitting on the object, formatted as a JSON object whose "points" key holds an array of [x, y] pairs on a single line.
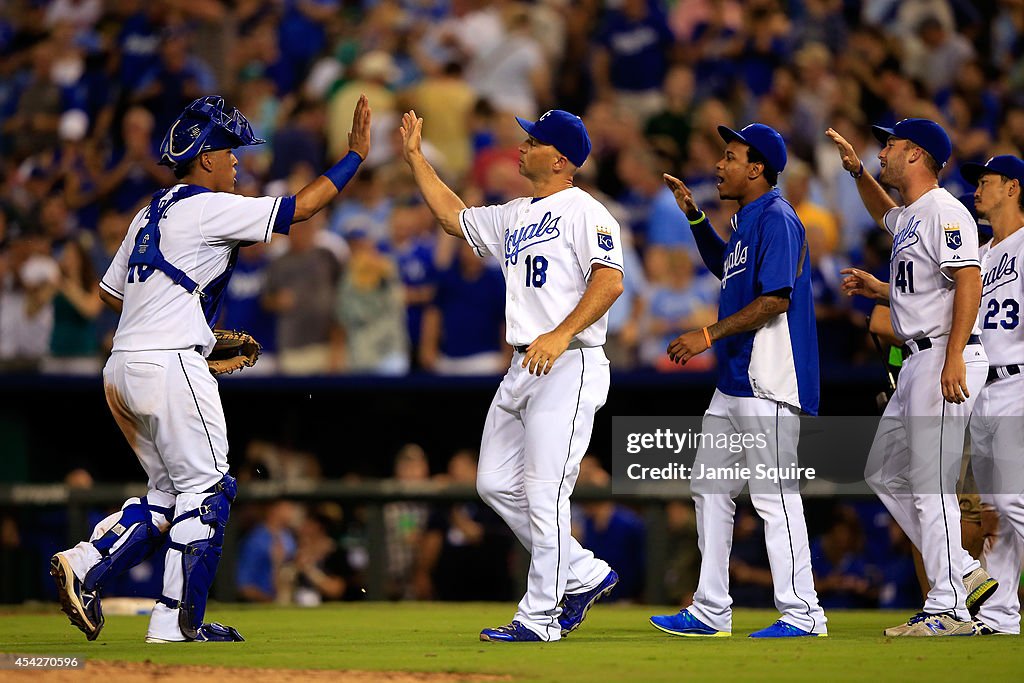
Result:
{"points": [[730, 135], [972, 172], [882, 134], [528, 126]]}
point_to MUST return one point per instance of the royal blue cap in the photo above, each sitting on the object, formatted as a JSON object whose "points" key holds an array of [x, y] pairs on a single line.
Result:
{"points": [[764, 139], [1005, 164], [563, 131], [924, 133]]}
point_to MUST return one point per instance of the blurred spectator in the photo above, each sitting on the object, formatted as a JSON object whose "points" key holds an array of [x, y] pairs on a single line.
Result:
{"points": [[300, 141], [264, 552], [668, 129], [750, 577], [841, 576], [132, 174], [626, 315], [300, 290], [899, 586], [936, 56], [33, 125], [176, 79], [74, 344], [370, 312], [631, 55], [404, 522], [684, 556], [374, 72], [242, 307], [511, 72], [464, 329], [265, 460], [612, 532], [113, 227], [678, 300], [26, 304], [447, 101], [462, 543], [413, 251], [366, 207], [321, 571]]}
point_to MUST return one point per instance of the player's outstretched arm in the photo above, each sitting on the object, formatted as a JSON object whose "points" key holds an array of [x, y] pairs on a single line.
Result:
{"points": [[604, 288], [876, 200], [321, 191], [751, 317], [444, 203], [863, 283], [709, 244]]}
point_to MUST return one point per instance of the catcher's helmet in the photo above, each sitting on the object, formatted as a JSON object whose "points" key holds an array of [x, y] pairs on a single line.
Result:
{"points": [[205, 126]]}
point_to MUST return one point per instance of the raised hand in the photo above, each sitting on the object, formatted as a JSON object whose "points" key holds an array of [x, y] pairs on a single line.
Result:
{"points": [[851, 162], [684, 198], [359, 136], [412, 132], [859, 282]]}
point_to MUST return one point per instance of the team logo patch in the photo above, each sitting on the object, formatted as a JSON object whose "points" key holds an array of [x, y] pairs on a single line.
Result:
{"points": [[604, 238], [953, 239]]}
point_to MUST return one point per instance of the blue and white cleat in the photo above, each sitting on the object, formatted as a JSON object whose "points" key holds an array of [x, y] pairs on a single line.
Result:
{"points": [[781, 629], [81, 606], [207, 633], [576, 605], [686, 625], [510, 633]]}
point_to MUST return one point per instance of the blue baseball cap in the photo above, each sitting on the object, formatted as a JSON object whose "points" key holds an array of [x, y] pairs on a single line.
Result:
{"points": [[924, 133], [764, 139], [1005, 164], [563, 131]]}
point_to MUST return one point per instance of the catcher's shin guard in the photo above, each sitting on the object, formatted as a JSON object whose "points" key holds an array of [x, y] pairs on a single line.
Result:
{"points": [[128, 537], [199, 556]]}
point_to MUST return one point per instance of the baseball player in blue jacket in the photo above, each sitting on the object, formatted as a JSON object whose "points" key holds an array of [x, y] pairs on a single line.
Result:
{"points": [[767, 351]]}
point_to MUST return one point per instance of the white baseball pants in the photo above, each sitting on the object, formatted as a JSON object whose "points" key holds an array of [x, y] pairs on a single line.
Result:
{"points": [[997, 458], [914, 466], [535, 435], [777, 502]]}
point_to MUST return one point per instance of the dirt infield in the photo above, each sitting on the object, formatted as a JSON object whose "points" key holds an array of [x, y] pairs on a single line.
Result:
{"points": [[147, 672]]}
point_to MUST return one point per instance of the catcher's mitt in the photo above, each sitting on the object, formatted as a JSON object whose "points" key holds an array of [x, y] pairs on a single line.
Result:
{"points": [[234, 351]]}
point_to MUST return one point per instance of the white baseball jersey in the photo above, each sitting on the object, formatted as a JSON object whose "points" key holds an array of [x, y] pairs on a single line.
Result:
{"points": [[198, 234], [931, 239], [1002, 294], [546, 248]]}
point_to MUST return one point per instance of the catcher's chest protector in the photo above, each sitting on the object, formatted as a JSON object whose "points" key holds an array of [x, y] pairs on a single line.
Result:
{"points": [[146, 256]]}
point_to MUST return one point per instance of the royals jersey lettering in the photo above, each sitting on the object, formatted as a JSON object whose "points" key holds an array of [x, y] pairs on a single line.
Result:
{"points": [[546, 248], [1002, 293], [199, 235], [931, 238]]}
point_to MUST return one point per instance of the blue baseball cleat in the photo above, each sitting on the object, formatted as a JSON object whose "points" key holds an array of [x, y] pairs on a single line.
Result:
{"points": [[576, 605], [781, 629], [510, 633], [686, 625]]}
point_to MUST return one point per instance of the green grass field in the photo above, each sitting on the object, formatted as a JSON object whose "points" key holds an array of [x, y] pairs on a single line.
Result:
{"points": [[615, 644]]}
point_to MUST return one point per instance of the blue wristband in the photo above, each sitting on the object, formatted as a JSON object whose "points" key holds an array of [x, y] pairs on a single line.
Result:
{"points": [[342, 172]]}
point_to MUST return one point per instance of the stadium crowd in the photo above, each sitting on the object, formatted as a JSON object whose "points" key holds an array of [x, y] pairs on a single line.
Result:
{"points": [[87, 89]]}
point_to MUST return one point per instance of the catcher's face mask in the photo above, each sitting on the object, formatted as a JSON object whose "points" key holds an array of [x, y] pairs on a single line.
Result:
{"points": [[205, 126]]}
